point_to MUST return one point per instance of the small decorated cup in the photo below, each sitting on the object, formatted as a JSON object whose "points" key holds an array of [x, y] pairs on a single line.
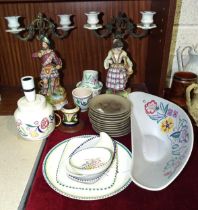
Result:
{"points": [[90, 78], [68, 115], [81, 97]]}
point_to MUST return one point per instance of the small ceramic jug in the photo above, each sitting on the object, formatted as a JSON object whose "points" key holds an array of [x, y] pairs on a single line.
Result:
{"points": [[181, 80], [192, 63], [34, 116], [68, 115], [192, 102]]}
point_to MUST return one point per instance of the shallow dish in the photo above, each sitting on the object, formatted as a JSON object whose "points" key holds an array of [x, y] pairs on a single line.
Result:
{"points": [[91, 161], [107, 186], [109, 123], [108, 118], [110, 104], [112, 133], [113, 127], [104, 143], [162, 140]]}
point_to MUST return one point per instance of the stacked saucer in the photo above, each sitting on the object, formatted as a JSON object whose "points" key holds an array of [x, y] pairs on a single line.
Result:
{"points": [[110, 113]]}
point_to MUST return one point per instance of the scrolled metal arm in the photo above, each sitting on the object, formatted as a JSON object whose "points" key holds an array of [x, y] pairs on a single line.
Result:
{"points": [[39, 27], [120, 27], [107, 31], [140, 35]]}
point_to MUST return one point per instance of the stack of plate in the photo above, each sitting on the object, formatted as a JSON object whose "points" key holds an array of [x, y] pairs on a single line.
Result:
{"points": [[110, 113]]}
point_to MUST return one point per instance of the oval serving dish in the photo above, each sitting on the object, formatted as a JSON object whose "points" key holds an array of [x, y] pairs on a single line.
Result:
{"points": [[91, 161]]}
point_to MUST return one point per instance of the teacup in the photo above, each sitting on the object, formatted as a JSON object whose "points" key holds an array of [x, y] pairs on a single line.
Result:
{"points": [[68, 116], [90, 77], [81, 97]]}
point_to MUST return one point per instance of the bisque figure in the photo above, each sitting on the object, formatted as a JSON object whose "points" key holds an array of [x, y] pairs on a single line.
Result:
{"points": [[50, 81], [119, 68]]}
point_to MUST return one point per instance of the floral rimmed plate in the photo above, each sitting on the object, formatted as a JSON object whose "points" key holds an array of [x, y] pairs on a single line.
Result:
{"points": [[83, 192]]}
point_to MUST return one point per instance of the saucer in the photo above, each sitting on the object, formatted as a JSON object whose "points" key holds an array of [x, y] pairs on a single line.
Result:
{"points": [[65, 28], [145, 27], [71, 128], [94, 27], [15, 31], [82, 191], [96, 90], [110, 105], [81, 84]]}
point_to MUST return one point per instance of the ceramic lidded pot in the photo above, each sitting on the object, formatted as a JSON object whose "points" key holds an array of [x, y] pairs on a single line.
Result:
{"points": [[34, 116], [90, 80]]}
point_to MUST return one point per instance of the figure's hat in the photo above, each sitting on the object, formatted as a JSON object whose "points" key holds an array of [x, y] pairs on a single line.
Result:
{"points": [[45, 39]]}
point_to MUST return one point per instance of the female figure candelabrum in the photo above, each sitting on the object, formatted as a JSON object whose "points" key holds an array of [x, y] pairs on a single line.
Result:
{"points": [[119, 68], [50, 81]]}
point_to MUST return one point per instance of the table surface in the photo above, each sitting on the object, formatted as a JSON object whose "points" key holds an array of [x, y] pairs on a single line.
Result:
{"points": [[18, 158], [182, 194]]}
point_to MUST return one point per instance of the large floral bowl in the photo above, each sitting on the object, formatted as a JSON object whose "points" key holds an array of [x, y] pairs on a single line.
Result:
{"points": [[162, 140]]}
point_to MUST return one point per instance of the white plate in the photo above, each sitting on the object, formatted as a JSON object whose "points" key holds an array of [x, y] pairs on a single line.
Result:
{"points": [[83, 191], [110, 105], [112, 133]]}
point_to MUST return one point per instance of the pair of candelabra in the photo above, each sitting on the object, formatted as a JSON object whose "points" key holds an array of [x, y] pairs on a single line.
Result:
{"points": [[119, 26]]}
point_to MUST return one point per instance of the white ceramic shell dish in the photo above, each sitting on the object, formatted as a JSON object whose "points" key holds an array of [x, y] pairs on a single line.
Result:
{"points": [[91, 161], [92, 151], [162, 141]]}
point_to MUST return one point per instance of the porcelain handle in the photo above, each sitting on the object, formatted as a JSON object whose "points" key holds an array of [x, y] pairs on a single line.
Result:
{"points": [[59, 119], [182, 52], [188, 93]]}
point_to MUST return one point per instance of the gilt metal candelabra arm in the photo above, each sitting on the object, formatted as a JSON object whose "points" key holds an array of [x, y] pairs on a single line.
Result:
{"points": [[39, 27], [121, 26]]}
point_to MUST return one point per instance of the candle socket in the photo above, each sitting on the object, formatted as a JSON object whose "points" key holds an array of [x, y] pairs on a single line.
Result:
{"points": [[28, 88]]}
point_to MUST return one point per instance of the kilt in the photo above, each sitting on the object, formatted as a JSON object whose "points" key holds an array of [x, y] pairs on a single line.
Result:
{"points": [[116, 78], [53, 74]]}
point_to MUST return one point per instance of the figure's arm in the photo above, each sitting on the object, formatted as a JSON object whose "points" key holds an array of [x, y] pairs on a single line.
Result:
{"points": [[108, 60], [128, 64], [37, 54], [57, 61]]}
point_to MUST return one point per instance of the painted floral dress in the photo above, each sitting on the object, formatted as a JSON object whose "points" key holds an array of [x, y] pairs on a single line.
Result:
{"points": [[118, 71]]}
